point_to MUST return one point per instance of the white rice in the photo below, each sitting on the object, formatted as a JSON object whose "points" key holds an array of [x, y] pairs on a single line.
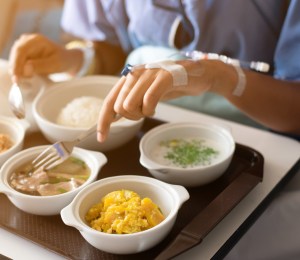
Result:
{"points": [[81, 112]]}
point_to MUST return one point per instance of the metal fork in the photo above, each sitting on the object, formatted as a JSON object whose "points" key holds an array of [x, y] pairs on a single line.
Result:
{"points": [[59, 151]]}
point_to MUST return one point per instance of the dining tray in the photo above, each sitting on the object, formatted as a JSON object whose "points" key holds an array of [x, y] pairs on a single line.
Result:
{"points": [[207, 205]]}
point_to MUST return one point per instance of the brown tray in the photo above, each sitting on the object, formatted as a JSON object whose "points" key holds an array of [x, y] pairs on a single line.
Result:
{"points": [[207, 206]]}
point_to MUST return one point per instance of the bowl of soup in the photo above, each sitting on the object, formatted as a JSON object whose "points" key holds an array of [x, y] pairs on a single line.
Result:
{"points": [[187, 153], [46, 192], [125, 214]]}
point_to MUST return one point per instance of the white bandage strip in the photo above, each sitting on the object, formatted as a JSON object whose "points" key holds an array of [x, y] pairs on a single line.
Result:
{"points": [[178, 72], [241, 84]]}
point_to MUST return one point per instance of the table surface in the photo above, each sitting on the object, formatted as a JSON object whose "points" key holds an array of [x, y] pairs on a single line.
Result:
{"points": [[280, 154]]}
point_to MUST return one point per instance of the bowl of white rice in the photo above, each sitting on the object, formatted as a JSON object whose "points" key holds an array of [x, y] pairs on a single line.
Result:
{"points": [[81, 112], [64, 110]]}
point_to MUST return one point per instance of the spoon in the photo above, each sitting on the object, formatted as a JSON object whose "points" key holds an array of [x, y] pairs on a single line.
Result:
{"points": [[16, 101]]}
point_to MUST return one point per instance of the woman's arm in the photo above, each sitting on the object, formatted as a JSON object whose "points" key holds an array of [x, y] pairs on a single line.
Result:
{"points": [[273, 103], [36, 54]]}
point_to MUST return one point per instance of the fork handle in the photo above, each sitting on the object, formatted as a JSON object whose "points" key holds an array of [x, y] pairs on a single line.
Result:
{"points": [[87, 133]]}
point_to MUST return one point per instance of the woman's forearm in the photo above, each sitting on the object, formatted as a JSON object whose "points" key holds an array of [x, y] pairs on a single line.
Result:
{"points": [[274, 103]]}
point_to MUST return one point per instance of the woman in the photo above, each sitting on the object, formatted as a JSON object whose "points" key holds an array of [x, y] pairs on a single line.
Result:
{"points": [[265, 31]]}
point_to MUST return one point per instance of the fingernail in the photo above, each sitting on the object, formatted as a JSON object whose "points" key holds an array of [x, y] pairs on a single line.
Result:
{"points": [[28, 70]]}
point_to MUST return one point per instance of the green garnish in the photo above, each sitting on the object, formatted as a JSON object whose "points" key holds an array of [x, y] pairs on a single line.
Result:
{"points": [[185, 153], [82, 177], [77, 161], [61, 190]]}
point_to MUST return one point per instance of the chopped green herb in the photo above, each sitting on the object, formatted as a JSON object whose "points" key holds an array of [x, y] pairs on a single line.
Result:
{"points": [[78, 161], [54, 180], [185, 153], [61, 190]]}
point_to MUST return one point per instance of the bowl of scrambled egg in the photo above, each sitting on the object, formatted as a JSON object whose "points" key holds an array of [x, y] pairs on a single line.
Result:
{"points": [[125, 214]]}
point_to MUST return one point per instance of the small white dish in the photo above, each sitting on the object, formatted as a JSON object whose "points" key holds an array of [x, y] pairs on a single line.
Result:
{"points": [[167, 197], [15, 129], [46, 205], [216, 137]]}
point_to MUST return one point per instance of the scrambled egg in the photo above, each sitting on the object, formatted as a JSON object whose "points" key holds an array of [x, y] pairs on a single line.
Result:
{"points": [[124, 212], [5, 142]]}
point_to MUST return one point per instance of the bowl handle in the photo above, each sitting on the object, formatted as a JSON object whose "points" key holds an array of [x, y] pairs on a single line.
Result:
{"points": [[68, 218], [100, 158], [181, 192], [5, 190], [150, 165]]}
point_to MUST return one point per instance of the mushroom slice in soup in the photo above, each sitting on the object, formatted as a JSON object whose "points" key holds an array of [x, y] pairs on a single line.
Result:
{"points": [[65, 177], [49, 189]]}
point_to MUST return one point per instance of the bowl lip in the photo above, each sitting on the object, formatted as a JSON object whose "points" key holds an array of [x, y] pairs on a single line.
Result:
{"points": [[28, 152], [18, 128], [87, 78], [225, 130], [64, 86], [76, 202]]}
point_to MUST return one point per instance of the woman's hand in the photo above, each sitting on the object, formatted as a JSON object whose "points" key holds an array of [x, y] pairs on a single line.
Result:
{"points": [[36, 54], [137, 95]]}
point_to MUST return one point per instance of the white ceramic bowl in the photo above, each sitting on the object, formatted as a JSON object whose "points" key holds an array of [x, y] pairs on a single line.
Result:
{"points": [[46, 205], [214, 136], [16, 130], [168, 197], [47, 106]]}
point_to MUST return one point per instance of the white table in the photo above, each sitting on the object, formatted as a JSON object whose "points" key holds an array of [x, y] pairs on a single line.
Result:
{"points": [[280, 154]]}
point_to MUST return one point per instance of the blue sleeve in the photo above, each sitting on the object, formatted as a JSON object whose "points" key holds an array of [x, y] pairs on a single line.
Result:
{"points": [[88, 20], [287, 54]]}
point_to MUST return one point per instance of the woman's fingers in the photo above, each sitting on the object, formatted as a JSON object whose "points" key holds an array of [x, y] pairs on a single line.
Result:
{"points": [[133, 97], [126, 89], [161, 85], [17, 58], [141, 93], [137, 95], [107, 113], [34, 53]]}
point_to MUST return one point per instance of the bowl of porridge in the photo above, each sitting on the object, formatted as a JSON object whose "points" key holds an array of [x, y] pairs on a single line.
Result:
{"points": [[189, 154]]}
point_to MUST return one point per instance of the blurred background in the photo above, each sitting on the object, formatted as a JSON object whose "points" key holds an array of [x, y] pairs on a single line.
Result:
{"points": [[28, 16], [25, 16]]}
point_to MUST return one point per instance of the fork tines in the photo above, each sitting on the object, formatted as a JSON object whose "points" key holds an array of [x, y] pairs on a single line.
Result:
{"points": [[50, 157]]}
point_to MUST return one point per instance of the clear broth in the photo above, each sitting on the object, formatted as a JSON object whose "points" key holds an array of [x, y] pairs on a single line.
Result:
{"points": [[65, 177]]}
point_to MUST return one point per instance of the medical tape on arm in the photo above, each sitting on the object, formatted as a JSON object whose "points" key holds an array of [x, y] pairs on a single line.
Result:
{"points": [[241, 84], [178, 72]]}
